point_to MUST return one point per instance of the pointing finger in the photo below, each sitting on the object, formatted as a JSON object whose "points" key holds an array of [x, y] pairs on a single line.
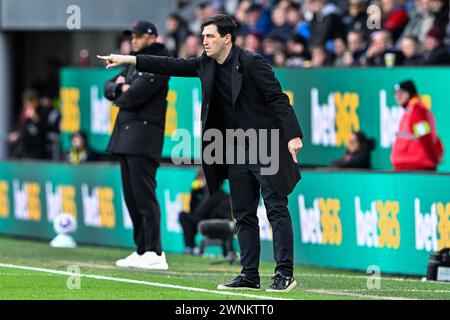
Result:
{"points": [[294, 156]]}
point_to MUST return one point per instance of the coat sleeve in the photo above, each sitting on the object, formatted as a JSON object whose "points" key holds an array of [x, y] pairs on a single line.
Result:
{"points": [[421, 128], [141, 90], [112, 90], [269, 86], [168, 66]]}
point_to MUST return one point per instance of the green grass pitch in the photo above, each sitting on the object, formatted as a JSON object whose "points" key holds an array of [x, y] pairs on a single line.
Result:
{"points": [[34, 270]]}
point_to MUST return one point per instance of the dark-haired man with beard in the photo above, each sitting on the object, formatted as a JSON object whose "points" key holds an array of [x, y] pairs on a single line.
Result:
{"points": [[137, 139]]}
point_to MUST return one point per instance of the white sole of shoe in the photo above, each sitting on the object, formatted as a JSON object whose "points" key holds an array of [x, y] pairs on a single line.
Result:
{"points": [[156, 266], [122, 265], [222, 287], [291, 286]]}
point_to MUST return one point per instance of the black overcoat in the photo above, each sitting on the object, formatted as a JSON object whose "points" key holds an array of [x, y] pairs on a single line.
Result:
{"points": [[139, 127], [258, 101]]}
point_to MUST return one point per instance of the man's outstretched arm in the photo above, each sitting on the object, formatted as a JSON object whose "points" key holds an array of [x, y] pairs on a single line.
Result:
{"points": [[169, 66]]}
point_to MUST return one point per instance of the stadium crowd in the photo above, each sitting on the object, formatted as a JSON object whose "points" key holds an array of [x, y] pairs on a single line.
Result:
{"points": [[325, 33]]}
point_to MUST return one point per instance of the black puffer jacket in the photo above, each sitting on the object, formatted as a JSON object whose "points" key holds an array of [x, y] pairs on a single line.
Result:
{"points": [[139, 128]]}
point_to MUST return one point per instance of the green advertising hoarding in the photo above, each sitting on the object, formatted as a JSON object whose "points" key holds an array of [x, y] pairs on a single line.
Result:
{"points": [[34, 193], [329, 103], [350, 220], [84, 107]]}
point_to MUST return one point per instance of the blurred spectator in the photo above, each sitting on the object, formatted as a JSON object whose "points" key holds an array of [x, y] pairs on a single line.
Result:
{"points": [[125, 46], [357, 17], [293, 15], [51, 120], [177, 32], [381, 45], [435, 53], [192, 47], [440, 9], [79, 151], [241, 16], [253, 43], [356, 47], [325, 22], [447, 35], [339, 49], [297, 52], [257, 19], [347, 59], [410, 50], [281, 28], [417, 145], [343, 5], [47, 86], [28, 140], [240, 40], [269, 47], [320, 57], [201, 14], [300, 25], [202, 207], [394, 17], [358, 152], [279, 58], [421, 20]]}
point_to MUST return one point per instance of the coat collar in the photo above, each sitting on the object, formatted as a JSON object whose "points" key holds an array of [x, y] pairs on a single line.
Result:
{"points": [[208, 71]]}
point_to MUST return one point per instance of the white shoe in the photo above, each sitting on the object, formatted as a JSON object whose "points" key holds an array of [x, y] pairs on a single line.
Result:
{"points": [[128, 261], [150, 261]]}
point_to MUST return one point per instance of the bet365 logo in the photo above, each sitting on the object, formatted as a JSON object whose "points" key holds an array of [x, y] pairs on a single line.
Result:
{"points": [[378, 227], [320, 224], [433, 228], [332, 122]]}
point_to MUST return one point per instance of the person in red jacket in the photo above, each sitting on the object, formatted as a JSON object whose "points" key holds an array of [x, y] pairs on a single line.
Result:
{"points": [[394, 17], [417, 145]]}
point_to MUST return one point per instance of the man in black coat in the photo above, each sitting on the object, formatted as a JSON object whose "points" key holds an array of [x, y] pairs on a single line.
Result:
{"points": [[240, 93], [137, 139]]}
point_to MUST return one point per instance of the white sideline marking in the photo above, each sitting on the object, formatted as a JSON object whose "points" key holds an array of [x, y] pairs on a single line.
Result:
{"points": [[153, 284], [394, 290], [222, 273], [355, 295]]}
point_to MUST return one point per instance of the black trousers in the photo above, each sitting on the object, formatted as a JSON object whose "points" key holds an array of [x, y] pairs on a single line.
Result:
{"points": [[245, 185], [189, 222], [139, 189]]}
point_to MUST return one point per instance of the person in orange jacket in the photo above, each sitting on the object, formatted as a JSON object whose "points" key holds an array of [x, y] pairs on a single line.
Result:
{"points": [[417, 145]]}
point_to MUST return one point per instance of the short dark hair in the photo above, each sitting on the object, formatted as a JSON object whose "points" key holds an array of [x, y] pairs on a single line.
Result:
{"points": [[225, 25], [30, 95]]}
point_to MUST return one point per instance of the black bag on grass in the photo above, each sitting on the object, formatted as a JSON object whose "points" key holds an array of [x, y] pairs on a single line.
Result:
{"points": [[439, 266]]}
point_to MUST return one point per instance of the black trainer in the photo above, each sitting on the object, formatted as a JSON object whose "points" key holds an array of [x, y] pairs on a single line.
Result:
{"points": [[282, 283], [240, 283]]}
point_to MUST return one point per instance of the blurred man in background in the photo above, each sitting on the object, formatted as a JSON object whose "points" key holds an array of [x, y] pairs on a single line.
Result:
{"points": [[202, 207], [380, 46], [417, 145], [28, 139], [137, 139]]}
